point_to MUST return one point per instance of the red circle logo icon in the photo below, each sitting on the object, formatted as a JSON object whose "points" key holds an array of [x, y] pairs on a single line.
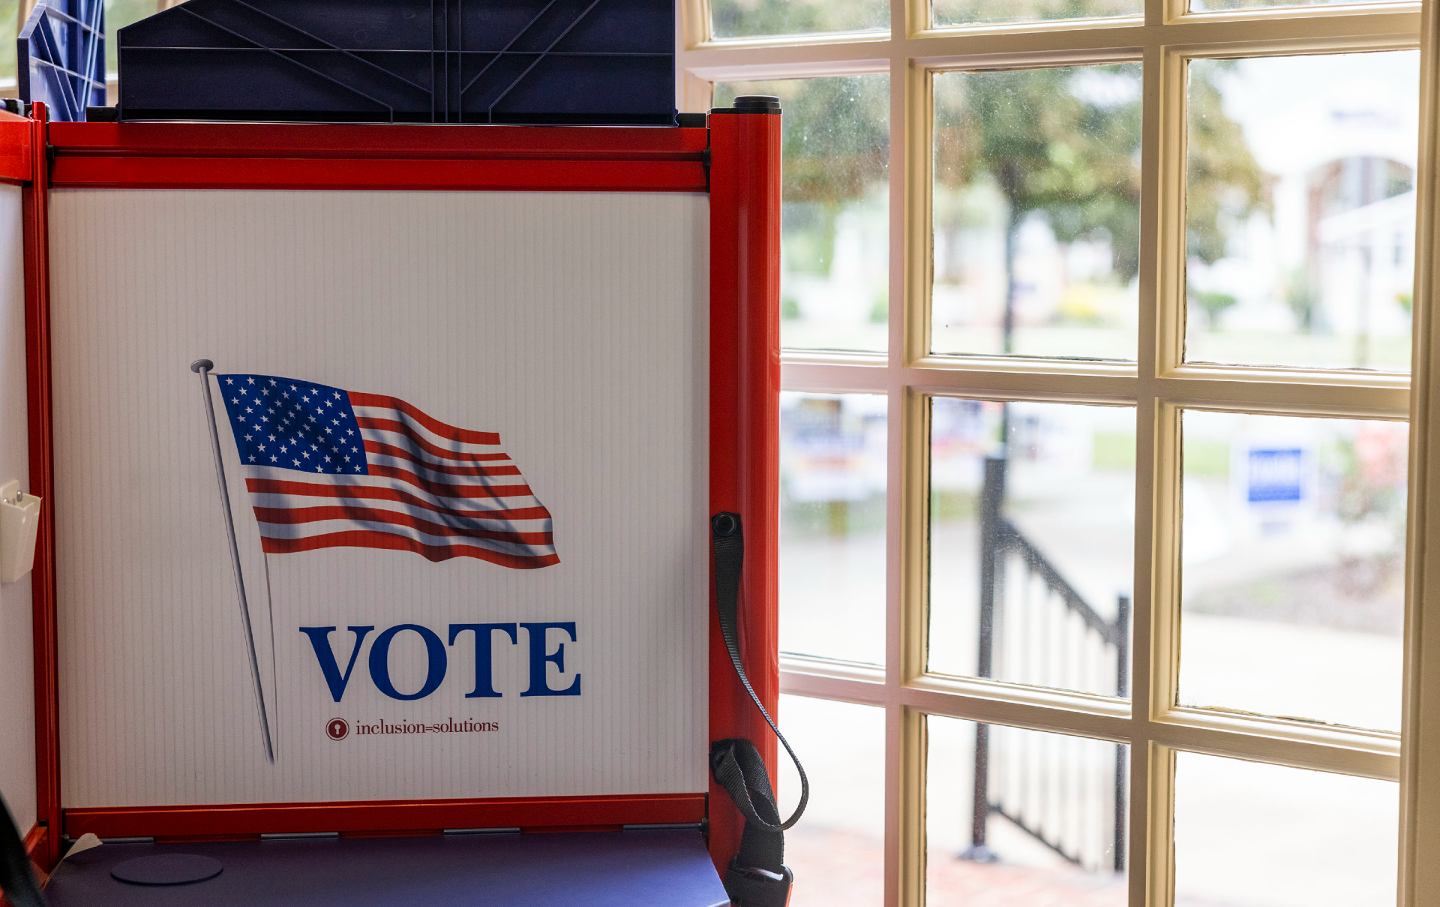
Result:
{"points": [[337, 729]]}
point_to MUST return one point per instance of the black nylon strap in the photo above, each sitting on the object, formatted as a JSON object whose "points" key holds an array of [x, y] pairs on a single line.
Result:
{"points": [[16, 880], [737, 767], [735, 763]]}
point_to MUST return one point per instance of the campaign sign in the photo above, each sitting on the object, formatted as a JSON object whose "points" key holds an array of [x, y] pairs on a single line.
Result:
{"points": [[1275, 475], [380, 495]]}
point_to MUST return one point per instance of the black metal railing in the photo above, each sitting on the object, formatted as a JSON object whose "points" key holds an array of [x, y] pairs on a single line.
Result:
{"points": [[1036, 627]]}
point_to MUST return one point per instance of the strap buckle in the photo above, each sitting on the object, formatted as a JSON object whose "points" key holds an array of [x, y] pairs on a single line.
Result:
{"points": [[751, 886]]}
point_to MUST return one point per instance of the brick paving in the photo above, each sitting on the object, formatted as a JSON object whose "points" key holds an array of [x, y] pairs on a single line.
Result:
{"points": [[842, 869], [960, 883]]}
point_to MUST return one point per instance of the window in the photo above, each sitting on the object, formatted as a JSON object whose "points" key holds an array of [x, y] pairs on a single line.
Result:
{"points": [[120, 13], [10, 22], [1097, 319]]}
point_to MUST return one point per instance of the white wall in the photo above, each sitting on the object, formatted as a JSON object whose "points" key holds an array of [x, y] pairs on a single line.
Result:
{"points": [[17, 698]]}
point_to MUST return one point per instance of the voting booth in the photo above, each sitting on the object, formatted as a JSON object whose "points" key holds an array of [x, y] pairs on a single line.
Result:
{"points": [[390, 474]]}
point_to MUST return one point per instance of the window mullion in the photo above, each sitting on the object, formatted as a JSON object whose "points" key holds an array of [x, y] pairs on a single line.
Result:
{"points": [[904, 555], [1153, 774], [911, 727], [1420, 760], [1151, 665]]}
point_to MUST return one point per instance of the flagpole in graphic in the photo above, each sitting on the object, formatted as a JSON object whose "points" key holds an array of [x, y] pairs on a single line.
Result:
{"points": [[202, 368]]}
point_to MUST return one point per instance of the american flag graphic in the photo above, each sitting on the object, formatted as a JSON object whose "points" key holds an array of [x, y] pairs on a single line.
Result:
{"points": [[330, 468]]}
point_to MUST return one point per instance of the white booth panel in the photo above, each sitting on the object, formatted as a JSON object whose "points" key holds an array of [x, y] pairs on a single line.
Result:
{"points": [[573, 325], [17, 657]]}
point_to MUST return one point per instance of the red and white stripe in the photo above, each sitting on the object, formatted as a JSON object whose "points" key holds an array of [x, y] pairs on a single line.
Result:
{"points": [[432, 488]]}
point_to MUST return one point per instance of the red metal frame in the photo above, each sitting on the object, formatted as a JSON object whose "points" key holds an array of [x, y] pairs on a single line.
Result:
{"points": [[16, 144], [382, 816], [17, 167], [36, 843], [19, 139], [745, 426], [35, 204], [737, 160], [232, 156]]}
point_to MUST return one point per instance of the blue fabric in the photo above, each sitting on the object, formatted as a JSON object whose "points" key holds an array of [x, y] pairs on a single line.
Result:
{"points": [[665, 868]]}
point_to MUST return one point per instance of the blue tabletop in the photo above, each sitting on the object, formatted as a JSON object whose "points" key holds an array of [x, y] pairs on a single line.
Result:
{"points": [[595, 869]]}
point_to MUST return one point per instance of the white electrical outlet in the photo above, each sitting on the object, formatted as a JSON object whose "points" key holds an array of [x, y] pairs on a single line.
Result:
{"points": [[19, 525]]}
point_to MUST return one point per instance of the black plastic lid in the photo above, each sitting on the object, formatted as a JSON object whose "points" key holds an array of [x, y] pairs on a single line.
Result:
{"points": [[752, 103]]}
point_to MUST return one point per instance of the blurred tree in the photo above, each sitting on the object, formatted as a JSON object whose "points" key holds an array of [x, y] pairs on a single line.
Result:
{"points": [[1302, 295], [837, 133], [965, 12], [1063, 143], [1223, 181], [1213, 304], [754, 18], [836, 148]]}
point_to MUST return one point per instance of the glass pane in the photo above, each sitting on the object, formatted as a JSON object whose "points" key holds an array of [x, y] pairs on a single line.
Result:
{"points": [[1037, 212], [839, 848], [1292, 599], [835, 239], [1300, 210], [1050, 806], [991, 12], [760, 18], [1053, 513], [118, 14], [1199, 6], [832, 526], [1253, 835]]}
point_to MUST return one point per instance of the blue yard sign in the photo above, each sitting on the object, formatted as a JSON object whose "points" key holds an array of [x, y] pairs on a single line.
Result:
{"points": [[1275, 475]]}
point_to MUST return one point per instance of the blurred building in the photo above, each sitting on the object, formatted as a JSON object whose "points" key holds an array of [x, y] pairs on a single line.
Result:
{"points": [[1330, 250]]}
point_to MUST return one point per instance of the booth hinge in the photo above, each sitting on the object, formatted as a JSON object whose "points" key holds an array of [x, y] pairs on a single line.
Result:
{"points": [[665, 826], [292, 835]]}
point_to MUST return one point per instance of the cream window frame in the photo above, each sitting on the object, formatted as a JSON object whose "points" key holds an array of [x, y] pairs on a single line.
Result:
{"points": [[1420, 759], [1158, 384]]}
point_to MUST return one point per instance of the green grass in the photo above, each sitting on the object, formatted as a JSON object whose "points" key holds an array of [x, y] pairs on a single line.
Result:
{"points": [[1207, 459], [953, 506], [833, 518], [1113, 450]]}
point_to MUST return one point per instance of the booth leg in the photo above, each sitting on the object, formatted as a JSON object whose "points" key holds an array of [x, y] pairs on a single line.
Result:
{"points": [[745, 425], [42, 483]]}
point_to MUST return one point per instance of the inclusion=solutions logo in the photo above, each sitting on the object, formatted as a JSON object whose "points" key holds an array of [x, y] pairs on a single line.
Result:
{"points": [[337, 729]]}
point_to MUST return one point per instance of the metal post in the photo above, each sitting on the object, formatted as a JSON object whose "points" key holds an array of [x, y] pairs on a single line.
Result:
{"points": [[1122, 689], [202, 368], [992, 494]]}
